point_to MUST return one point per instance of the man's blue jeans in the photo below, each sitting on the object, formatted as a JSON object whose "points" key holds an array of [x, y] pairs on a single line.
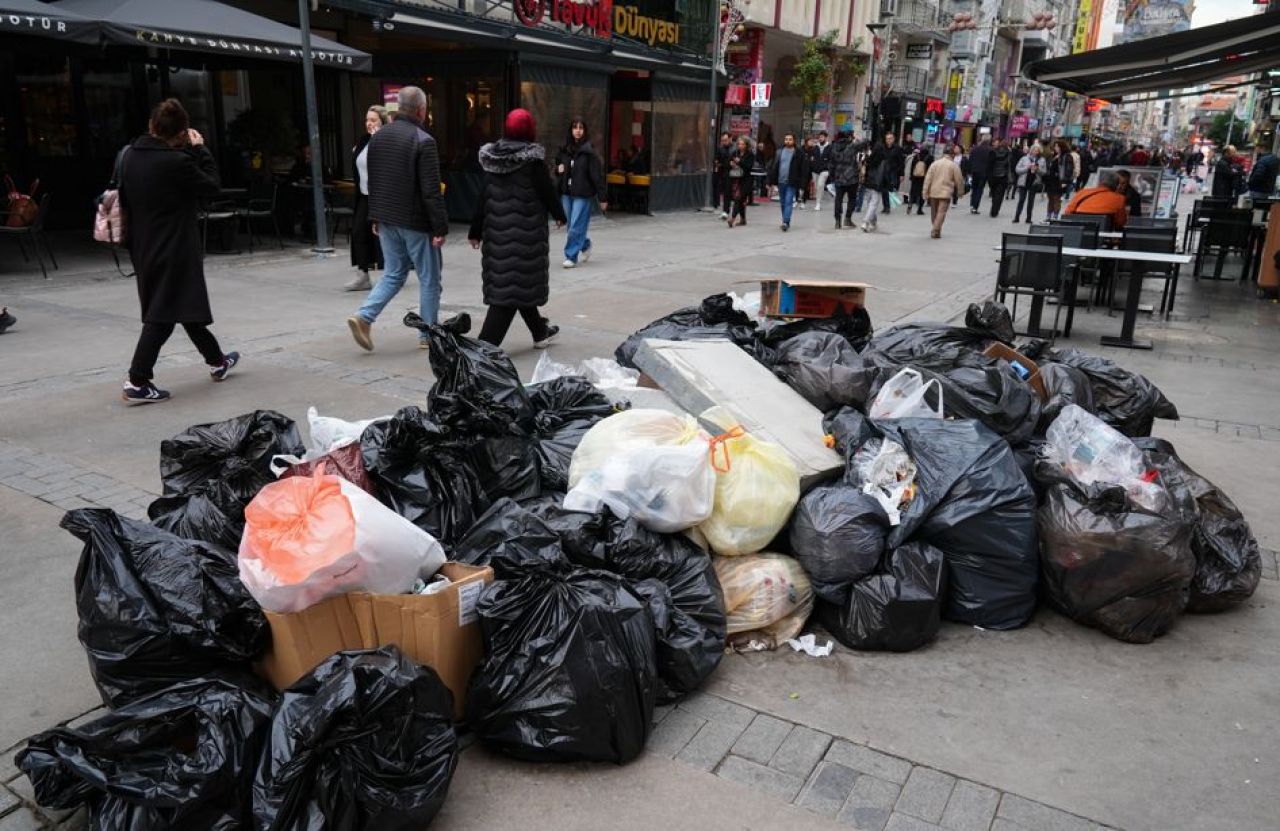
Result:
{"points": [[787, 199], [403, 249], [578, 210]]}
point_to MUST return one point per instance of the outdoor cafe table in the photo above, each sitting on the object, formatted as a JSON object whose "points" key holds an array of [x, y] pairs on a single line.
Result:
{"points": [[1125, 339]]}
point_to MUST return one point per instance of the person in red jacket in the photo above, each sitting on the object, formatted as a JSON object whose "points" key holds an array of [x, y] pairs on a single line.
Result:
{"points": [[1140, 157]]}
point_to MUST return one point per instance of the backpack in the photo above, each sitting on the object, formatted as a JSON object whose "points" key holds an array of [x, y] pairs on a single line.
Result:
{"points": [[111, 223], [22, 206]]}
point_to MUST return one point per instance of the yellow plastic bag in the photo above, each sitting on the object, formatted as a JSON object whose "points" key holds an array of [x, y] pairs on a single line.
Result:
{"points": [[757, 488], [767, 599], [626, 431]]}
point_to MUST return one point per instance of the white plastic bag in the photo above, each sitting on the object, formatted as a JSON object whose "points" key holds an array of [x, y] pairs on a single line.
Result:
{"points": [[310, 538], [748, 304], [626, 431], [904, 397], [548, 370], [1094, 452], [887, 474], [603, 373], [667, 489], [328, 433], [757, 488]]}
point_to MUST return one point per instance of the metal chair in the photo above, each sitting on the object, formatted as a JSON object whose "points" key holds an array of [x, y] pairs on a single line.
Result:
{"points": [[1072, 236], [35, 233], [339, 208], [216, 212], [1228, 230], [261, 205], [1156, 240], [1032, 266], [1200, 208], [1086, 266]]}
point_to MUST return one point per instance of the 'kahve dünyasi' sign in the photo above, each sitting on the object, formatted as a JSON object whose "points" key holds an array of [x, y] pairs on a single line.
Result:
{"points": [[154, 37]]}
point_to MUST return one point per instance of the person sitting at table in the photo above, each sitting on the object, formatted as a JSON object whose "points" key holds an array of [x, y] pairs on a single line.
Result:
{"points": [[1132, 199], [1101, 200]]}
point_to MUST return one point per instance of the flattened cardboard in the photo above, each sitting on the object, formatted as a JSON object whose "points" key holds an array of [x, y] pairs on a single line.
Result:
{"points": [[437, 630]]}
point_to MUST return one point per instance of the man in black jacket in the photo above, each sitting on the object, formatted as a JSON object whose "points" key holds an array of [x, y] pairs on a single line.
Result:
{"points": [[894, 160], [998, 174], [979, 165], [408, 214], [844, 173], [789, 171], [720, 182], [820, 167]]}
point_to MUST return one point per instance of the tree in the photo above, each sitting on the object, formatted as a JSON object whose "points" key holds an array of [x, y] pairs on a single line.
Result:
{"points": [[1217, 131], [819, 70]]}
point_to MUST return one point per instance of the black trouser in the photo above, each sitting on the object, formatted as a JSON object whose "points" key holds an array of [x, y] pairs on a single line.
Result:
{"points": [[498, 320], [154, 336], [917, 194], [975, 195], [1026, 196], [720, 192], [844, 192], [998, 189]]}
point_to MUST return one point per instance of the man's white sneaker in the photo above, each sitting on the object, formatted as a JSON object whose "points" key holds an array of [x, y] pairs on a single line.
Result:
{"points": [[568, 264]]}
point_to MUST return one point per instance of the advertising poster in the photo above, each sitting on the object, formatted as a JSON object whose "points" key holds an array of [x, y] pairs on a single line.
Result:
{"points": [[1152, 18]]}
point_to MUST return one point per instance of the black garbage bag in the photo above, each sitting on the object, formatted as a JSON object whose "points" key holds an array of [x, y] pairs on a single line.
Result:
{"points": [[821, 367], [477, 390], [156, 609], [236, 452], [849, 428], [424, 474], [179, 758], [1063, 385], [974, 503], [837, 536], [1111, 564], [569, 667], [507, 466], [688, 610], [211, 513], [993, 318], [714, 319], [854, 327], [565, 409], [894, 610], [1228, 562], [365, 741], [1125, 400]]}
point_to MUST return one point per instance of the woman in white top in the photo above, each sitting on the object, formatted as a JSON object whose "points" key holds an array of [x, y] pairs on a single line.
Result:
{"points": [[366, 252]]}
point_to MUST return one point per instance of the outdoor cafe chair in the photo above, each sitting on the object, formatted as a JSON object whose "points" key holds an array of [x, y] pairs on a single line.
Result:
{"points": [[1092, 225], [1072, 236], [1228, 230], [1158, 240], [261, 205], [1032, 266], [34, 233], [1151, 222]]}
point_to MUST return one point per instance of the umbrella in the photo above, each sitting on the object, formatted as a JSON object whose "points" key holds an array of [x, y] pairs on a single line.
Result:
{"points": [[31, 17], [208, 26]]}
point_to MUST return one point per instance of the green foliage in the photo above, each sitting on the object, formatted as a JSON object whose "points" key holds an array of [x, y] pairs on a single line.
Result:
{"points": [[822, 66], [1217, 131], [267, 131]]}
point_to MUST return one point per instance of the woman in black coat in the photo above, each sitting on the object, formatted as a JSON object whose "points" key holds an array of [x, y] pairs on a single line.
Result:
{"points": [[740, 185], [510, 229], [366, 251], [165, 175]]}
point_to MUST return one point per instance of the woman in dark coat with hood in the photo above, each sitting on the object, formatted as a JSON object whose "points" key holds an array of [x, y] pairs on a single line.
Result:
{"points": [[366, 251], [510, 229], [164, 176]]}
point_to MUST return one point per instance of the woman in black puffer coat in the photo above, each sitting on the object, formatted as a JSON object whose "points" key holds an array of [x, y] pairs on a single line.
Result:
{"points": [[510, 228]]}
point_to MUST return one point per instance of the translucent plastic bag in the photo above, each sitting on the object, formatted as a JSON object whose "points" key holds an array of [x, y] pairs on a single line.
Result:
{"points": [[1094, 453], [626, 431], [885, 472], [757, 487], [767, 598], [306, 539], [905, 396], [328, 433], [667, 489]]}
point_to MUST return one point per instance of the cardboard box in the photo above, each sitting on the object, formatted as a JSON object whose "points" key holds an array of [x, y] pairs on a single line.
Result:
{"points": [[811, 298], [438, 630], [1016, 359]]}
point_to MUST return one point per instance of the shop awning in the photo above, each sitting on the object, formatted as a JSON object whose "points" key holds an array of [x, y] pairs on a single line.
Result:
{"points": [[1167, 63], [211, 27], [31, 17]]}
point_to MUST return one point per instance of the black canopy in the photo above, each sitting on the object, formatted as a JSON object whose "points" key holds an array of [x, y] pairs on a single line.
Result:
{"points": [[31, 17], [208, 26], [1170, 62]]}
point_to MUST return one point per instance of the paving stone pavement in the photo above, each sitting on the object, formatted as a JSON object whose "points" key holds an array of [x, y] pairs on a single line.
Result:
{"points": [[856, 785], [66, 485]]}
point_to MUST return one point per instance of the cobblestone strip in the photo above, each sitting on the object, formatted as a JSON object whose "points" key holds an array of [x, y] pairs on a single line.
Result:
{"points": [[68, 486], [851, 783]]}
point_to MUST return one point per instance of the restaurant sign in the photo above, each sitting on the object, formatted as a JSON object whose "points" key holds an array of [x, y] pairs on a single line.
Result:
{"points": [[602, 18]]}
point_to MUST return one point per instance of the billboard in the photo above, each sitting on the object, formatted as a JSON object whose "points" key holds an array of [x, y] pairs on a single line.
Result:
{"points": [[1152, 18]]}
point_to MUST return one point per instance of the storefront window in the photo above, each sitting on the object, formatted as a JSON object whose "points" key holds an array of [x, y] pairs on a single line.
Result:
{"points": [[44, 84], [106, 96], [680, 141], [555, 96], [192, 88]]}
